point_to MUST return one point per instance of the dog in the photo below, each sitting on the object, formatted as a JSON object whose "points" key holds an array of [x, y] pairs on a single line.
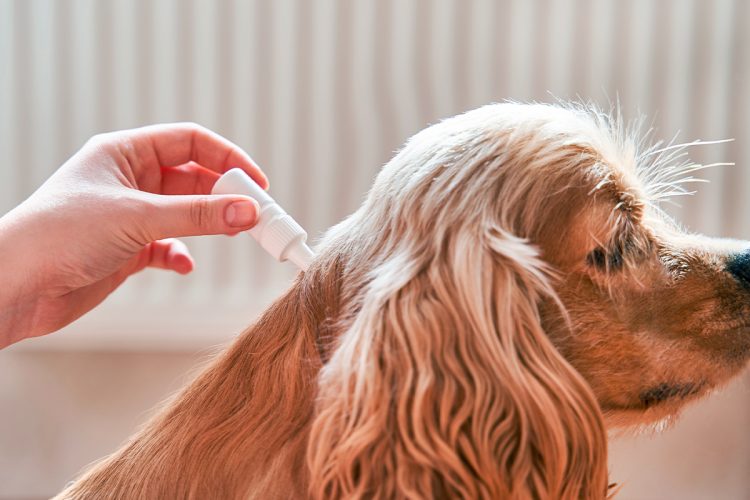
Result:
{"points": [[509, 290]]}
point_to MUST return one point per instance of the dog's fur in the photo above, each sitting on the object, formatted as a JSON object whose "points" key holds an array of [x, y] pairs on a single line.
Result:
{"points": [[508, 290]]}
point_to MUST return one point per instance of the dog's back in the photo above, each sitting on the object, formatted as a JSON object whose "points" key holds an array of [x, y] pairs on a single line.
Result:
{"points": [[238, 431]]}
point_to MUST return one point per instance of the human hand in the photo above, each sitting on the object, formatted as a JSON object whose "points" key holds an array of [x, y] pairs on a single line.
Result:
{"points": [[104, 215]]}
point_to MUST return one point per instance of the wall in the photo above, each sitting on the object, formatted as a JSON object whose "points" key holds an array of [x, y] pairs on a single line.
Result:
{"points": [[321, 93]]}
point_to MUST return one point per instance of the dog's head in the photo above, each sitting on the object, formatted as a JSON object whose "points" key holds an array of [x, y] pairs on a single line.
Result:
{"points": [[510, 285]]}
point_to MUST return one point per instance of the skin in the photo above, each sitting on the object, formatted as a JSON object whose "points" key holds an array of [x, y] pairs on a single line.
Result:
{"points": [[107, 213]]}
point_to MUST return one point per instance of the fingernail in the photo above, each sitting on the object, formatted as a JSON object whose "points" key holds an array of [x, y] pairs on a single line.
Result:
{"points": [[241, 213]]}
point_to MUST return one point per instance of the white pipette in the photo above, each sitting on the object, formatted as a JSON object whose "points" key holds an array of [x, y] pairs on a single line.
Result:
{"points": [[276, 231]]}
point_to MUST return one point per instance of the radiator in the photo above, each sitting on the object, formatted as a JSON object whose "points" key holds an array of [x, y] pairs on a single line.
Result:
{"points": [[321, 93]]}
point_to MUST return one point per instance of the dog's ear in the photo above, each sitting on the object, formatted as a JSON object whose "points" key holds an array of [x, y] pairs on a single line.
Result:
{"points": [[445, 385]]}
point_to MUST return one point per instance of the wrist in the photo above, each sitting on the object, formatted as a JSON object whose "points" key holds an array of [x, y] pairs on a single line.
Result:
{"points": [[15, 322], [18, 299]]}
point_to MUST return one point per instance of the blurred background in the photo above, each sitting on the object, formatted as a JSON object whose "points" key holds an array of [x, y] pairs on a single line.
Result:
{"points": [[321, 93]]}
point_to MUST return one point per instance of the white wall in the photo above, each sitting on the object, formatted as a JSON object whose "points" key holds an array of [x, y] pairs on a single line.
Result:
{"points": [[320, 93]]}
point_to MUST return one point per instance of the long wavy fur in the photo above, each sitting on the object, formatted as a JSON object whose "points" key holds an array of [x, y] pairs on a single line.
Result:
{"points": [[410, 360]]}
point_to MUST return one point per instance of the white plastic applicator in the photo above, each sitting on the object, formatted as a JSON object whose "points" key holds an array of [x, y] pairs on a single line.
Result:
{"points": [[276, 231]]}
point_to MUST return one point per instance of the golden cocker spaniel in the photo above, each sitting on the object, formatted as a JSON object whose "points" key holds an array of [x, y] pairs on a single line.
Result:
{"points": [[509, 289]]}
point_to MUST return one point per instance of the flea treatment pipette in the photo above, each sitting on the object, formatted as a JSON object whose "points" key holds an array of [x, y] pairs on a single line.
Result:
{"points": [[276, 231]]}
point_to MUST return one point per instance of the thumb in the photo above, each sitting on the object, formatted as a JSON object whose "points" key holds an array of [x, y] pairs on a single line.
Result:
{"points": [[195, 215]]}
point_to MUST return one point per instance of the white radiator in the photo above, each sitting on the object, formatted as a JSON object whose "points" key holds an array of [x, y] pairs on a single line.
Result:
{"points": [[322, 92]]}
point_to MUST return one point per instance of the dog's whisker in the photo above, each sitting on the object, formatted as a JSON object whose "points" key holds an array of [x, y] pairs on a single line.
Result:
{"points": [[683, 145], [667, 200], [666, 168], [666, 162], [687, 180], [712, 165], [659, 189], [692, 168], [663, 182]]}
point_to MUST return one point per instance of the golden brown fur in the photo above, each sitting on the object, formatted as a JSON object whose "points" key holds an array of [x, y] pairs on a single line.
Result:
{"points": [[508, 288]]}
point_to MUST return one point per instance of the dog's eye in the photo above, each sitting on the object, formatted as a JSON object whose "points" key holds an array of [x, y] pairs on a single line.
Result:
{"points": [[597, 258], [605, 260]]}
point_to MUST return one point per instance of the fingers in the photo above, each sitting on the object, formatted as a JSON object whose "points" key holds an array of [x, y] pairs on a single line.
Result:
{"points": [[170, 254], [190, 178], [179, 143], [193, 215]]}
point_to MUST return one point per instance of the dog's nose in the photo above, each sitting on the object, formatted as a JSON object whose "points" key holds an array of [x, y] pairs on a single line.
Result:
{"points": [[739, 267]]}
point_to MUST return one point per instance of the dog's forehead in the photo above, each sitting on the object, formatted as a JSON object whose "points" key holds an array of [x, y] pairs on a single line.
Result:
{"points": [[557, 157], [611, 157], [598, 133]]}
